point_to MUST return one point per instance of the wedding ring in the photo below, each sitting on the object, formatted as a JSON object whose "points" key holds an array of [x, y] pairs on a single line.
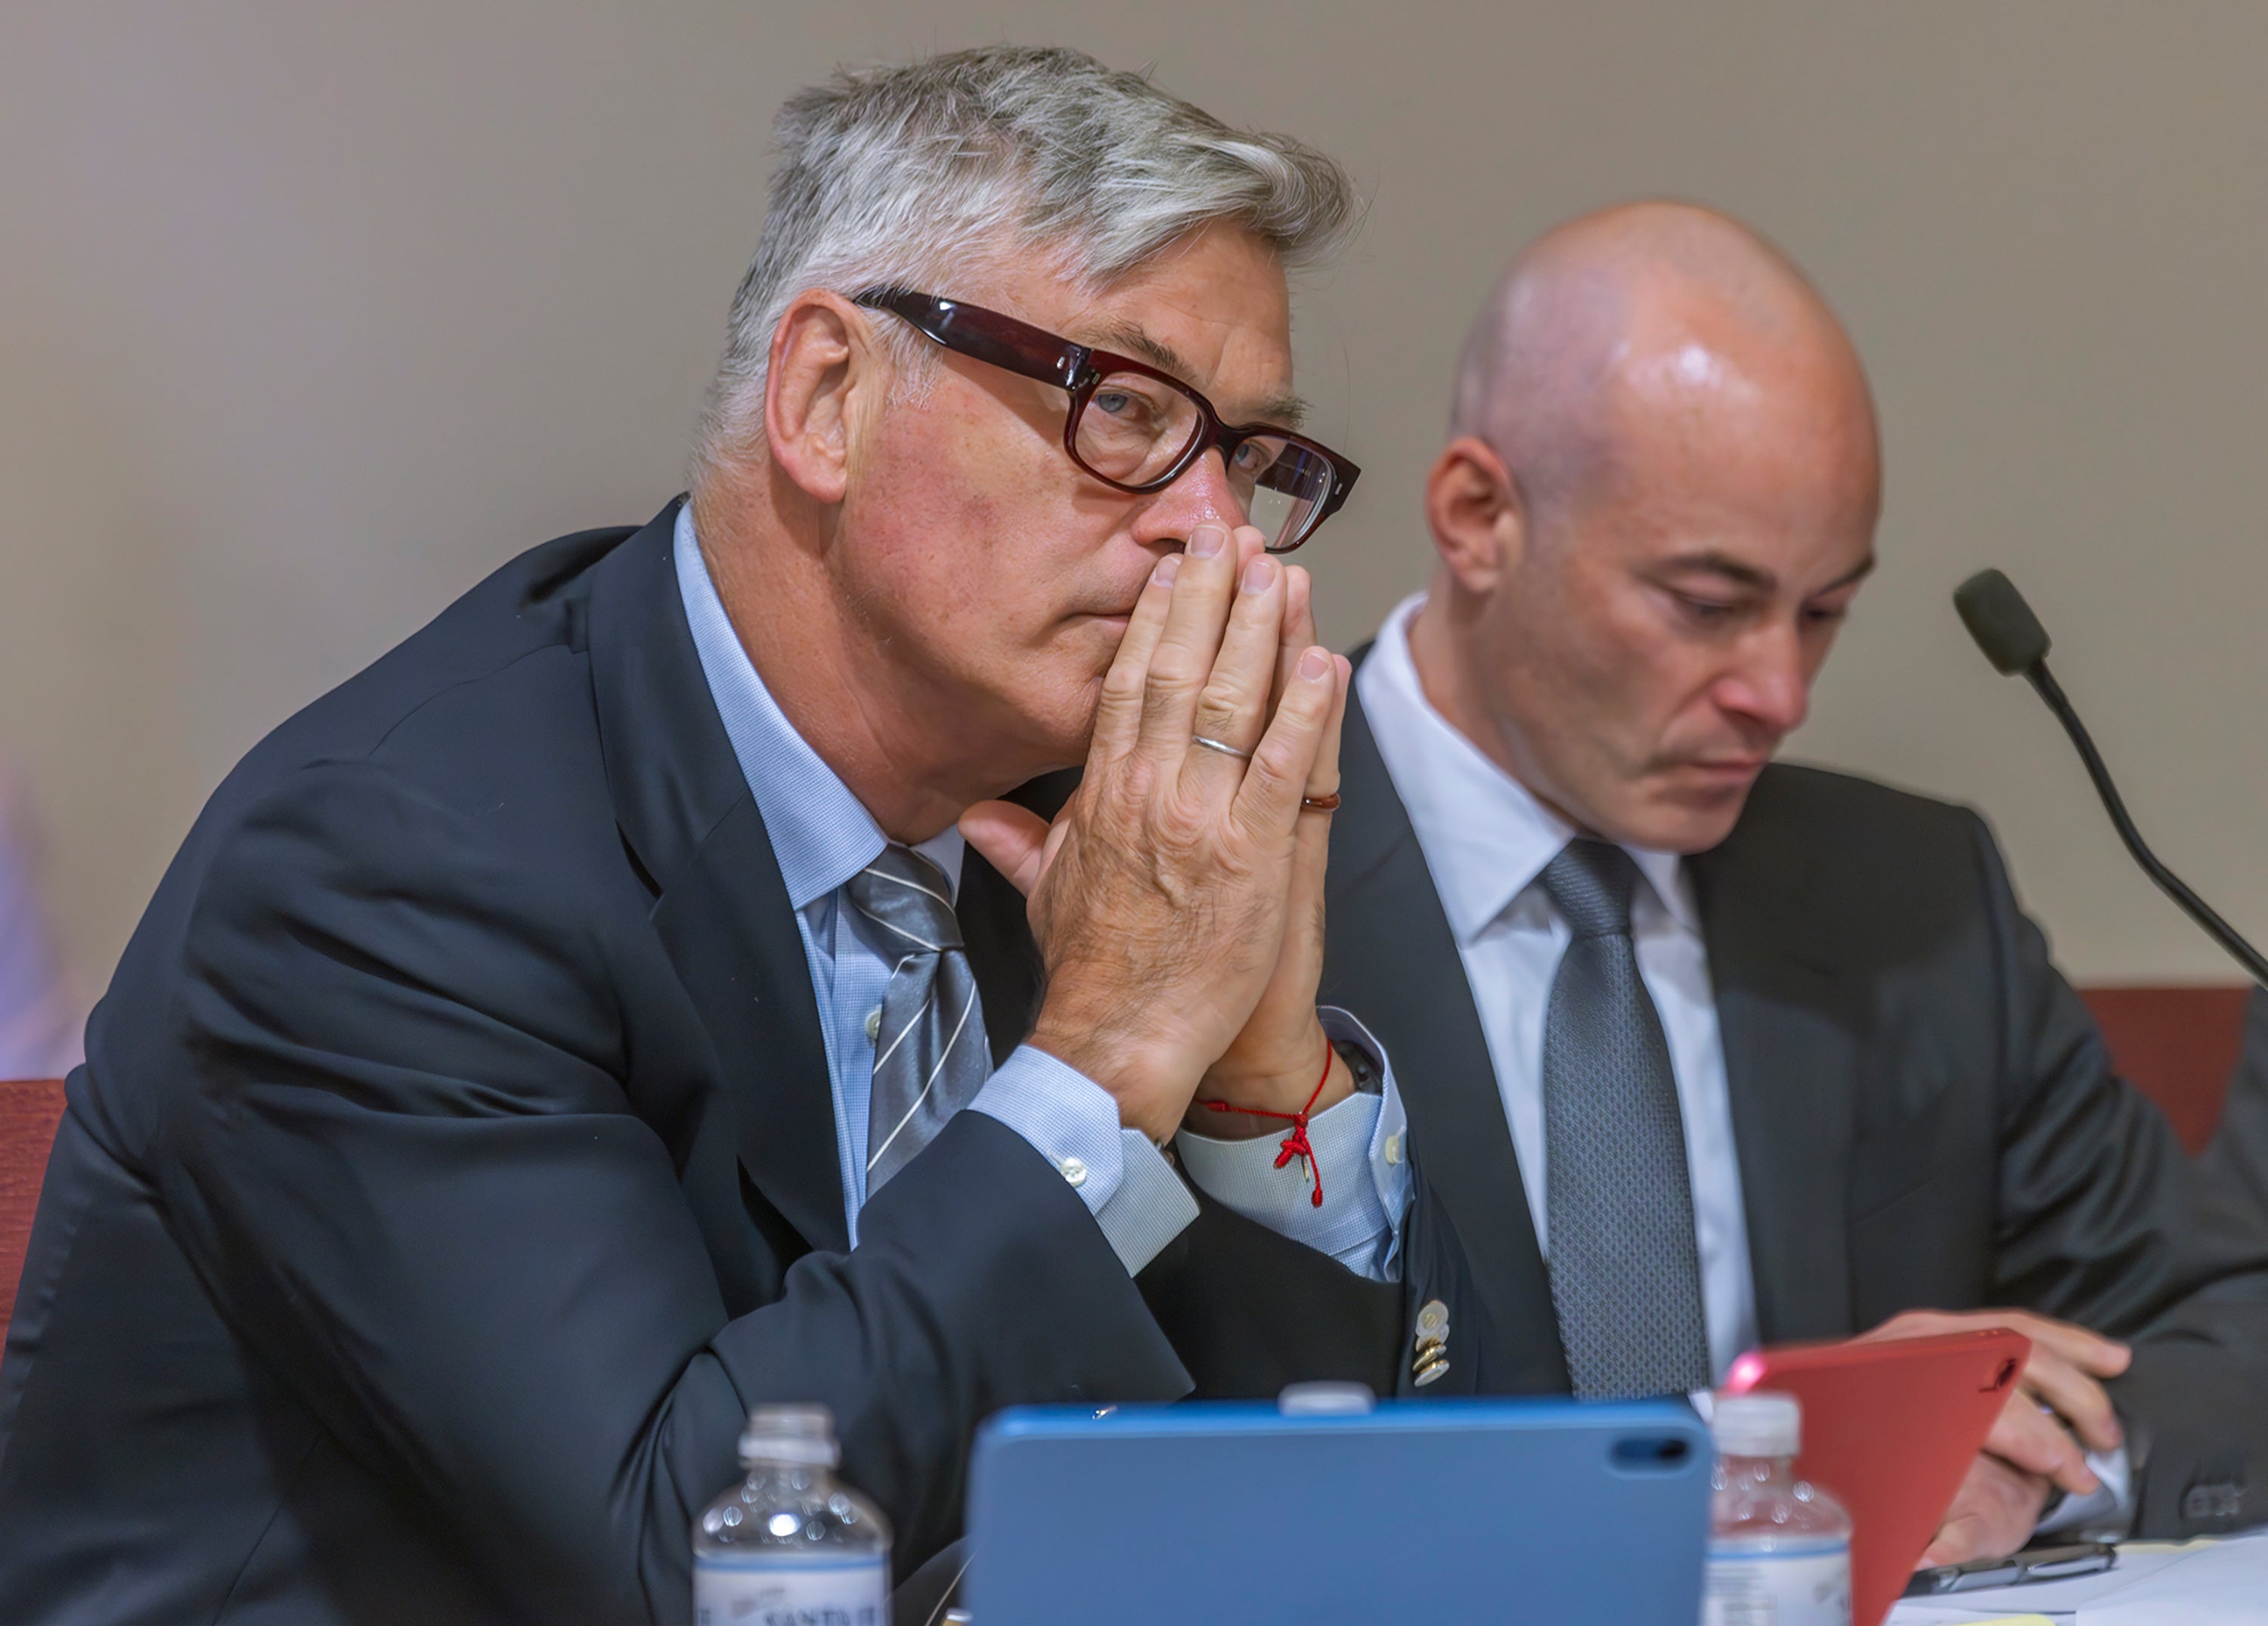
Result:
{"points": [[1319, 804], [1221, 745]]}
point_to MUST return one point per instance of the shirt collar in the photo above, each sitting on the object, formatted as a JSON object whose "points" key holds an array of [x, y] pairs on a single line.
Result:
{"points": [[1485, 835], [820, 834]]}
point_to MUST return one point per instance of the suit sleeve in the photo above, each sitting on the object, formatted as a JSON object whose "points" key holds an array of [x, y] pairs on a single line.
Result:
{"points": [[1251, 1310], [403, 1162], [2238, 1154], [2103, 1220]]}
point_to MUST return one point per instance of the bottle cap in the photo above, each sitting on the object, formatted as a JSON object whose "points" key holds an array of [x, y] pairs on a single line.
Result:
{"points": [[802, 1434], [1325, 1400], [1758, 1425]]}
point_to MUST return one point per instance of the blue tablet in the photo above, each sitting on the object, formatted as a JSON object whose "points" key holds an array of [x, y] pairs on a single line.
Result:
{"points": [[1458, 1510]]}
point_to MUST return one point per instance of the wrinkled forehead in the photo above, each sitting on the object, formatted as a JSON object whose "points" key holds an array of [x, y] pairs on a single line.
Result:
{"points": [[1213, 309]]}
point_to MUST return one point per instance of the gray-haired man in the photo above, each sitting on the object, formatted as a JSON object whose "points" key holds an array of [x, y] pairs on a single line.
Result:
{"points": [[588, 1022]]}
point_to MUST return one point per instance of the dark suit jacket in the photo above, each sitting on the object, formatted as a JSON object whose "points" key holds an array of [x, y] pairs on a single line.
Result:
{"points": [[454, 1164], [2238, 1152], [1925, 1113]]}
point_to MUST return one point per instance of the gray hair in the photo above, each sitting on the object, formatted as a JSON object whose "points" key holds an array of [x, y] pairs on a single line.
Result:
{"points": [[907, 175]]}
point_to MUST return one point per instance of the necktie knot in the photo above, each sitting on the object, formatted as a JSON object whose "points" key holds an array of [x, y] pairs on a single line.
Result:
{"points": [[1592, 883], [905, 895]]}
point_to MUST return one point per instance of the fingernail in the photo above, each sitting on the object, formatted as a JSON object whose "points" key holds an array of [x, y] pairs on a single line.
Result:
{"points": [[1207, 540], [1168, 567], [1260, 575], [1315, 663]]}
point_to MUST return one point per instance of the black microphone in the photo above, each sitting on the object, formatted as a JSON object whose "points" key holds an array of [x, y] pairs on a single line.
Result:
{"points": [[2014, 640]]}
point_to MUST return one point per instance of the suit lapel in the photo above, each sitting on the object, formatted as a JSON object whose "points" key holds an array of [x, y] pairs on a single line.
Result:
{"points": [[723, 914], [997, 928], [1790, 1041], [1001, 953], [1393, 960]]}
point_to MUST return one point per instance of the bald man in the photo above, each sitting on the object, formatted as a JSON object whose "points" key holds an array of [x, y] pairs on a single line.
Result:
{"points": [[1707, 1052]]}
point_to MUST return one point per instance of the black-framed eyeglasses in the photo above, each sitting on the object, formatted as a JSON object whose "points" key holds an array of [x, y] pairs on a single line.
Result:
{"points": [[1137, 428]]}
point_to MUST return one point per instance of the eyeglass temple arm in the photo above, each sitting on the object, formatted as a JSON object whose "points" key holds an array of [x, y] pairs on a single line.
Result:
{"points": [[986, 335]]}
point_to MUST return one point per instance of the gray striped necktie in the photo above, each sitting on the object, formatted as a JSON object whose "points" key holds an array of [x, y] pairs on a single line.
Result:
{"points": [[928, 1056], [1626, 1270]]}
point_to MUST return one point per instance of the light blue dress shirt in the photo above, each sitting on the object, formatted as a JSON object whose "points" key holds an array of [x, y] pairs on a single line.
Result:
{"points": [[822, 836]]}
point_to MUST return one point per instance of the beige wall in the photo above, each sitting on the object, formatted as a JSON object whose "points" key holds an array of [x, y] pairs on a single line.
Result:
{"points": [[311, 313]]}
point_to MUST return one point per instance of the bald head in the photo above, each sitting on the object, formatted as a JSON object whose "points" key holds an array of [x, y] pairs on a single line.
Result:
{"points": [[1642, 322], [1656, 505]]}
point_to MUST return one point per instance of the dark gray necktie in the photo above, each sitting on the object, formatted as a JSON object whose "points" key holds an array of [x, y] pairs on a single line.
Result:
{"points": [[1626, 1270], [929, 1060]]}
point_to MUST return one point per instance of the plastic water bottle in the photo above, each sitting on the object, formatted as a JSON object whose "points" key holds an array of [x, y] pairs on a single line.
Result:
{"points": [[791, 1545], [1780, 1550]]}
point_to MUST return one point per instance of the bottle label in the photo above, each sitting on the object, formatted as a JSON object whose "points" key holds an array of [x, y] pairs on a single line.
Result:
{"points": [[743, 1593], [1811, 1588]]}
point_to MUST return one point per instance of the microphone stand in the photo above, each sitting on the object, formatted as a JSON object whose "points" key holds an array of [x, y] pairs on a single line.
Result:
{"points": [[2169, 883]]}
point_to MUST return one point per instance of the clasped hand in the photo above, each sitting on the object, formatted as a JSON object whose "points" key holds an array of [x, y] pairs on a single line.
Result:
{"points": [[1178, 897], [2058, 1413]]}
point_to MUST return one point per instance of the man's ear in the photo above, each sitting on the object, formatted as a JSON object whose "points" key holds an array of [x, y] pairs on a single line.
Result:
{"points": [[1474, 509], [825, 371]]}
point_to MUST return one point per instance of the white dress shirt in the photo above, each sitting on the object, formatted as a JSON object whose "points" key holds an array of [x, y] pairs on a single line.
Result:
{"points": [[822, 836], [1486, 841]]}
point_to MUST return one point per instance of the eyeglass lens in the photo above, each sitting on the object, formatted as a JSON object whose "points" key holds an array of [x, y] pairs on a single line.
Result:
{"points": [[1135, 428]]}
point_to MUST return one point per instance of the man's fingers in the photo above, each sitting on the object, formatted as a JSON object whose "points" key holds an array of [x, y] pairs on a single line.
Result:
{"points": [[1324, 777], [2090, 1352], [1118, 719], [1014, 840], [1960, 1540], [2065, 1365], [1311, 849], [2029, 1438], [1993, 1514], [1182, 663], [1233, 706], [2059, 1372], [2080, 1401], [1277, 774], [1299, 626]]}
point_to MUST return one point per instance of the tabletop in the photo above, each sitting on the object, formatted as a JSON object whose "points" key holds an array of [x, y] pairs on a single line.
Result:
{"points": [[2223, 1582]]}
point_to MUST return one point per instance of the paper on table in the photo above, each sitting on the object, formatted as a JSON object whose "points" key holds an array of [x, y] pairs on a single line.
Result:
{"points": [[2137, 1562], [2154, 1584], [2224, 1582]]}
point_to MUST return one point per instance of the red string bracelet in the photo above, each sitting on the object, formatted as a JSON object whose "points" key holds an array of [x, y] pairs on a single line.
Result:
{"points": [[1295, 1144]]}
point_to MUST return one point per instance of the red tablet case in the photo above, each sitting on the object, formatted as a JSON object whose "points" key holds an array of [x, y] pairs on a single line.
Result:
{"points": [[1890, 1429]]}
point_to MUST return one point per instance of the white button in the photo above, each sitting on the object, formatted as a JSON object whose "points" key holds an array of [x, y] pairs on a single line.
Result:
{"points": [[1394, 1149], [874, 1025], [1074, 1170]]}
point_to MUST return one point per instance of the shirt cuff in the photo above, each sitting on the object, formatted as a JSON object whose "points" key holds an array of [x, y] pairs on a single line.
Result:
{"points": [[1361, 1156], [1072, 1122], [2106, 1513]]}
